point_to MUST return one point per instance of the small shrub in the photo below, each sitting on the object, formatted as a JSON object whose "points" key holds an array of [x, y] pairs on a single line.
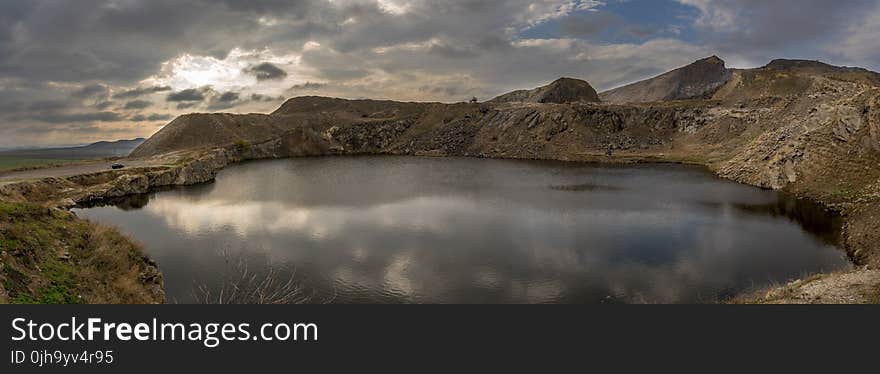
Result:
{"points": [[242, 146]]}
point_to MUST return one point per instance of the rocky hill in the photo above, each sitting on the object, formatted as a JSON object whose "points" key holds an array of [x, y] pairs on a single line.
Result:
{"points": [[561, 91], [202, 131], [696, 81]]}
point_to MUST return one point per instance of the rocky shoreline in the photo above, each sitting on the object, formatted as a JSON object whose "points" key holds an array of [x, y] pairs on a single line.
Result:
{"points": [[855, 286]]}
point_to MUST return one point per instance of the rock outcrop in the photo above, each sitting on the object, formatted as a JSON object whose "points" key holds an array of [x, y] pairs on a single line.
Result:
{"points": [[699, 80], [561, 91]]}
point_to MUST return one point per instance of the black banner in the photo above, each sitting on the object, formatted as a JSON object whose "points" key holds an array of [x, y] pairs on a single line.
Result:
{"points": [[333, 338]]}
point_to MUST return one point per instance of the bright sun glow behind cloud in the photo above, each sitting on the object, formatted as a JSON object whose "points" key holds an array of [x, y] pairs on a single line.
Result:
{"points": [[227, 74]]}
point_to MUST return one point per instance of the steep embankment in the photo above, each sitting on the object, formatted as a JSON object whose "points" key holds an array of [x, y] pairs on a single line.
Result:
{"points": [[50, 256], [205, 131]]}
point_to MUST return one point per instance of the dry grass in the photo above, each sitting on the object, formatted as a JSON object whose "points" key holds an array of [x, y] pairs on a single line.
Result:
{"points": [[241, 285], [48, 256], [852, 287], [119, 269]]}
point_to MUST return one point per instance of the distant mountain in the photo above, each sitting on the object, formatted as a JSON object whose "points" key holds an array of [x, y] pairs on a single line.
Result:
{"points": [[102, 149], [698, 80], [562, 90]]}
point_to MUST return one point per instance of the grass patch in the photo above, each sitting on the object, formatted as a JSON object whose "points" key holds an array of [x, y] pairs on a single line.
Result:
{"points": [[15, 281], [850, 195], [845, 195], [61, 287], [10, 163], [242, 146]]}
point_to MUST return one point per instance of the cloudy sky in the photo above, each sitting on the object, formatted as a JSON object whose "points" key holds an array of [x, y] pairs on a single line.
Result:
{"points": [[73, 72]]}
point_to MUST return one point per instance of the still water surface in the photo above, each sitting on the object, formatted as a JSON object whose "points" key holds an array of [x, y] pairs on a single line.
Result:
{"points": [[450, 230]]}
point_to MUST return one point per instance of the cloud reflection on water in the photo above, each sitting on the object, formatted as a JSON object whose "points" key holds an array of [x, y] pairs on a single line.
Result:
{"points": [[389, 229]]}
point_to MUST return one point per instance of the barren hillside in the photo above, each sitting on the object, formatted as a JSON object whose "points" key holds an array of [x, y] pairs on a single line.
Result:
{"points": [[696, 81]]}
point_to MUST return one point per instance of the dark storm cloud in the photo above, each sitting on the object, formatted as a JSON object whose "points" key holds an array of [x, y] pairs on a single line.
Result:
{"points": [[150, 118], [189, 95], [140, 91], [90, 91], [103, 105], [48, 105], [231, 99], [266, 71], [122, 41], [265, 98], [224, 100], [227, 97], [138, 104]]}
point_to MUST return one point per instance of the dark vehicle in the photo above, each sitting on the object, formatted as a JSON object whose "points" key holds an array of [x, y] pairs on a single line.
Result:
{"points": [[117, 166]]}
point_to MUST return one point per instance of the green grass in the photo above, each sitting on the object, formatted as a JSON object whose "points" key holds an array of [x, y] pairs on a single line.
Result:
{"points": [[34, 233], [12, 163], [845, 195], [60, 290], [242, 146]]}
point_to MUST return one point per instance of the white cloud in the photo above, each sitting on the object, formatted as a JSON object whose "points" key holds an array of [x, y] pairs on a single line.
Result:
{"points": [[395, 7], [227, 74], [544, 10], [713, 14]]}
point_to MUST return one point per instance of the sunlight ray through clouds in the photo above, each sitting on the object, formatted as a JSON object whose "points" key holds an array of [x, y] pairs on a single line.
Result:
{"points": [[229, 73]]}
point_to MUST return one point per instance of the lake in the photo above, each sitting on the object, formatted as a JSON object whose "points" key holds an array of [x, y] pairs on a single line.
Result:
{"points": [[390, 229]]}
